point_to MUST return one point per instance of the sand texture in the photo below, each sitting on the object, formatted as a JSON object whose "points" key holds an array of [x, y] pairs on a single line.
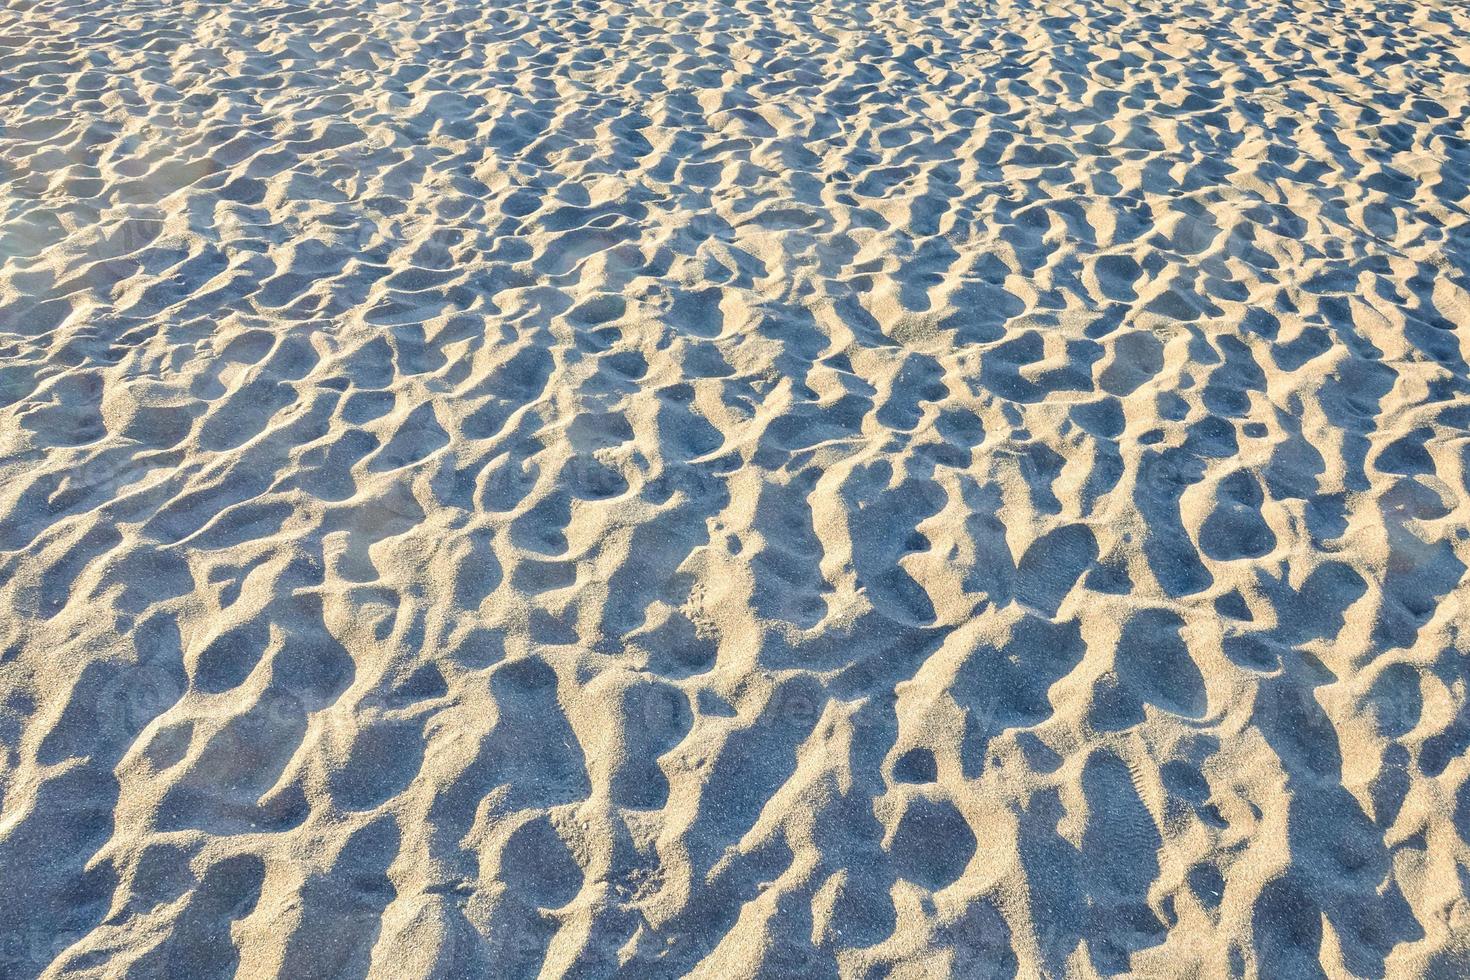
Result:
{"points": [[734, 488]]}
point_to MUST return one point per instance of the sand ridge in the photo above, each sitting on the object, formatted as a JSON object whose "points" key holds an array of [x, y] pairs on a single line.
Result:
{"points": [[734, 489]]}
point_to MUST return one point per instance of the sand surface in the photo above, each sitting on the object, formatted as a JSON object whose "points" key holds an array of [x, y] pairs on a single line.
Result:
{"points": [[734, 487]]}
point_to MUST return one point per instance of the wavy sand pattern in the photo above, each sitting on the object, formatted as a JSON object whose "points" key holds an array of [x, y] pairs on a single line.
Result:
{"points": [[794, 489]]}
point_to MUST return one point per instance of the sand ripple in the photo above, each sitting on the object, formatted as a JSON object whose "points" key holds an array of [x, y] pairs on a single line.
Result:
{"points": [[761, 489]]}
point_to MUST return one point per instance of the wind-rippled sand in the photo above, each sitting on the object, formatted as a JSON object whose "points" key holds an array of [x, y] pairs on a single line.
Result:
{"points": [[752, 489]]}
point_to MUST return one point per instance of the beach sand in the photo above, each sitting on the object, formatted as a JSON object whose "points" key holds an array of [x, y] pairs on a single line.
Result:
{"points": [[734, 488]]}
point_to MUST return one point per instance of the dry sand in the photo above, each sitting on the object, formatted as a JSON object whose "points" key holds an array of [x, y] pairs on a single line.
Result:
{"points": [[733, 487]]}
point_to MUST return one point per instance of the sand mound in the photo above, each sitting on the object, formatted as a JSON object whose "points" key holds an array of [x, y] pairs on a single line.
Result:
{"points": [[752, 489]]}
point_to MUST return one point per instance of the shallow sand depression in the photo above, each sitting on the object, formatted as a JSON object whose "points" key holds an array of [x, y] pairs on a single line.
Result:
{"points": [[742, 489]]}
